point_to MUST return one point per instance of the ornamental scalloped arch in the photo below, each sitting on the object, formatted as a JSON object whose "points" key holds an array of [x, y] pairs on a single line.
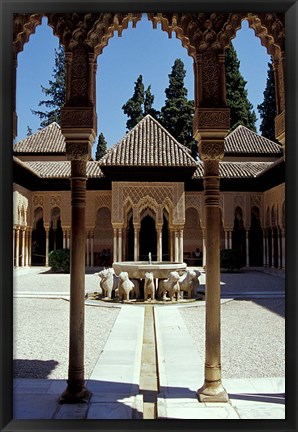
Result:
{"points": [[196, 31], [148, 202]]}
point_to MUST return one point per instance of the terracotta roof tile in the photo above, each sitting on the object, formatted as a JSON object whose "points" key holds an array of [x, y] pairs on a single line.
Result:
{"points": [[243, 140], [236, 169], [148, 144], [47, 140], [61, 169]]}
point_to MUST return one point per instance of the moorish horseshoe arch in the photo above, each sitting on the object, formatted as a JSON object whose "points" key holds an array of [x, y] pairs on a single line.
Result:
{"points": [[206, 37]]}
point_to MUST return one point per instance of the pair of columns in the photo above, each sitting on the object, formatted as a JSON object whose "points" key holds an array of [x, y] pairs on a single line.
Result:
{"points": [[269, 249], [22, 239], [176, 245]]}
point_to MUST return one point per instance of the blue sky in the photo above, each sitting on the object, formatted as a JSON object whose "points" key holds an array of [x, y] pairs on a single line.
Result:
{"points": [[140, 51]]}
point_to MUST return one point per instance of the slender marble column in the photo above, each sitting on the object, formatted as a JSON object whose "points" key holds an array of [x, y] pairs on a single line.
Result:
{"points": [[231, 239], [159, 244], [23, 247], [119, 244], [17, 246], [279, 249], [92, 248], [47, 247], [226, 239], [264, 248], [272, 248], [115, 251], [13, 245], [30, 247], [247, 247], [176, 246], [204, 249], [76, 390], [283, 250], [136, 242], [27, 248], [64, 239], [181, 245]]}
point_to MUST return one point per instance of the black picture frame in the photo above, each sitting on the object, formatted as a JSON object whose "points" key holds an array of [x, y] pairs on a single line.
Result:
{"points": [[7, 8]]}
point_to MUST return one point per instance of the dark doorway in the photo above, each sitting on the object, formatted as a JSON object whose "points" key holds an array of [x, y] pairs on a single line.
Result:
{"points": [[148, 241], [238, 235], [130, 240], [165, 240], [255, 239], [38, 239]]}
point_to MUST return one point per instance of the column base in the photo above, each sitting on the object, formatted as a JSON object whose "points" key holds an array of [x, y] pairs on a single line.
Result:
{"points": [[75, 394], [212, 392]]}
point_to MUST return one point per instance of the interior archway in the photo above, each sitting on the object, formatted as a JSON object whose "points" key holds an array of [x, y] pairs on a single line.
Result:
{"points": [[148, 239], [38, 239]]}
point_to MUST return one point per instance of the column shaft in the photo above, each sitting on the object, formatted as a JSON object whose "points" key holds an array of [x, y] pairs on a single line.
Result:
{"points": [[13, 245], [181, 246], [115, 252], [92, 249], [247, 247], [17, 247], [176, 246], [87, 250], [119, 244]]}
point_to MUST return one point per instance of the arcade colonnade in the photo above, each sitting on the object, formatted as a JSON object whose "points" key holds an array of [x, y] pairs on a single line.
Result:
{"points": [[108, 223], [205, 36]]}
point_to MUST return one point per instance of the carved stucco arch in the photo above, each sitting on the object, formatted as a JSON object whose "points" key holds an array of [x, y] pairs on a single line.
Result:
{"points": [[148, 202]]}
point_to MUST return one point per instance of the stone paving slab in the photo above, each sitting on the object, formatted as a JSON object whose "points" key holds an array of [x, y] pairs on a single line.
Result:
{"points": [[181, 373]]}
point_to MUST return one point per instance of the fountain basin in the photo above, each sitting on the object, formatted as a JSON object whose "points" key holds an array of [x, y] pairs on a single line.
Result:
{"points": [[137, 269]]}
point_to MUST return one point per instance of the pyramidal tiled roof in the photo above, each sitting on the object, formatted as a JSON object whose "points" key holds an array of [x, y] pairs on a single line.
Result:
{"points": [[47, 140], [59, 169], [148, 144], [236, 169], [243, 140]]}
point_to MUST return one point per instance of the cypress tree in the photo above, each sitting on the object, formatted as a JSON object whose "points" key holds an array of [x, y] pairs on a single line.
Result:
{"points": [[267, 108], [133, 108], [240, 107], [177, 113], [55, 92], [101, 148], [139, 105], [148, 104]]}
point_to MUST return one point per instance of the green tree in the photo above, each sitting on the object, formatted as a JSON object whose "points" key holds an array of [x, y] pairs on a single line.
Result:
{"points": [[240, 108], [148, 104], [267, 108], [139, 105], [177, 113], [101, 148], [133, 108], [55, 93]]}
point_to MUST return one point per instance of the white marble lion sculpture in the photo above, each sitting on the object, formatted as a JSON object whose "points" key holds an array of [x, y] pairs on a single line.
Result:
{"points": [[126, 286], [170, 286], [149, 287], [189, 282], [108, 282]]}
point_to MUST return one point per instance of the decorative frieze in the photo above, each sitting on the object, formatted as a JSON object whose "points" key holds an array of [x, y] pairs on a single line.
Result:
{"points": [[211, 150], [212, 118], [103, 200], [55, 201], [38, 201], [73, 117], [280, 124]]}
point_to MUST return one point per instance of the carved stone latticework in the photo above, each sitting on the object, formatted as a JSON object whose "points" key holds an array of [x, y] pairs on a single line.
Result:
{"points": [[193, 200], [103, 200], [158, 197], [55, 201], [212, 118], [256, 201], [239, 201], [213, 151], [38, 201], [78, 151]]}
